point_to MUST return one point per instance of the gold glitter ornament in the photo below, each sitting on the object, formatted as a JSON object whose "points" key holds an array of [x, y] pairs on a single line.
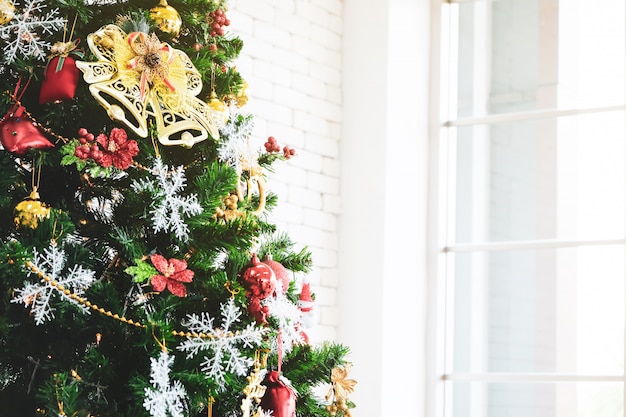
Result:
{"points": [[242, 95], [215, 103], [7, 12], [167, 18], [30, 211]]}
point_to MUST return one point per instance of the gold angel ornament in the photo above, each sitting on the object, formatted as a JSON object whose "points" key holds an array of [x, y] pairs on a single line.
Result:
{"points": [[138, 77]]}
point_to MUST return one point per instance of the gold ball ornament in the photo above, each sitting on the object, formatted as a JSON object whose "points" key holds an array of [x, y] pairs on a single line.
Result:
{"points": [[30, 211], [242, 95], [215, 103], [7, 12], [167, 18]]}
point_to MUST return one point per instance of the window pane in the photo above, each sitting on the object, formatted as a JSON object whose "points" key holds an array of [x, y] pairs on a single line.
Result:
{"points": [[582, 399], [545, 179], [521, 55], [556, 310]]}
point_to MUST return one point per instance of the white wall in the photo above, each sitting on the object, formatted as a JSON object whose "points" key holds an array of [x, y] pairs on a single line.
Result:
{"points": [[346, 84], [384, 188], [292, 62]]}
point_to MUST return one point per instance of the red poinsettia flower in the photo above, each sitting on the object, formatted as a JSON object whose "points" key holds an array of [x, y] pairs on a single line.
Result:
{"points": [[174, 272], [115, 150]]}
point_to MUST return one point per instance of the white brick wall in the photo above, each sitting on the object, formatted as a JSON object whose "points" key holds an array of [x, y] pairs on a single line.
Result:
{"points": [[329, 78], [292, 62]]}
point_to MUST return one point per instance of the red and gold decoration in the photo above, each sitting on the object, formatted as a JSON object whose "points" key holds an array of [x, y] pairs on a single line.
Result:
{"points": [[279, 397], [7, 11], [174, 273], [166, 18], [137, 78], [61, 74], [19, 134], [342, 386]]}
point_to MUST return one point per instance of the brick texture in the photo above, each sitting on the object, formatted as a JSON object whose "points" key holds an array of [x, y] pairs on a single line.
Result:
{"points": [[292, 62]]}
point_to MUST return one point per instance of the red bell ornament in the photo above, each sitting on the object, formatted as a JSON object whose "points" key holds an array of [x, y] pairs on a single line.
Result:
{"points": [[18, 133], [279, 397], [259, 279], [61, 75]]}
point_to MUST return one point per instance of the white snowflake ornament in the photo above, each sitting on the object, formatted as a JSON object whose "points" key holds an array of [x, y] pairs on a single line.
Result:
{"points": [[22, 35], [38, 295], [234, 137], [165, 398], [168, 207], [223, 344]]}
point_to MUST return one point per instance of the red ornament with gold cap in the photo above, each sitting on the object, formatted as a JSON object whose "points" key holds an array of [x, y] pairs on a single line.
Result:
{"points": [[61, 74]]}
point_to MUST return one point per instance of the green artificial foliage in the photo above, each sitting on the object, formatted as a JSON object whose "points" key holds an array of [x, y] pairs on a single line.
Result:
{"points": [[118, 248]]}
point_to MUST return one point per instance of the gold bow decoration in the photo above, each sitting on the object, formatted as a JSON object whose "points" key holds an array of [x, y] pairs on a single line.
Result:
{"points": [[138, 77], [341, 387]]}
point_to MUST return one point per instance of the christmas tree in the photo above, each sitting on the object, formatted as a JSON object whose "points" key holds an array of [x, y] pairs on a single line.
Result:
{"points": [[141, 273]]}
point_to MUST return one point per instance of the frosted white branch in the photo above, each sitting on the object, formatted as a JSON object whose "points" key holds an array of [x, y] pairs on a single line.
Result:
{"points": [[287, 316], [234, 137]]}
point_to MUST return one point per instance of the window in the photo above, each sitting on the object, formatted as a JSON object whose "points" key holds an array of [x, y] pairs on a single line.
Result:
{"points": [[532, 182]]}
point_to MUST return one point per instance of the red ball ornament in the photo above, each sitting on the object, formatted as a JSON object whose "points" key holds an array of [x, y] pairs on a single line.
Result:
{"points": [[279, 398], [259, 279], [282, 274]]}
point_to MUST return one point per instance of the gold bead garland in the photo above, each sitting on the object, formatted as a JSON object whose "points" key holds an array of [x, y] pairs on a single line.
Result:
{"points": [[54, 284]]}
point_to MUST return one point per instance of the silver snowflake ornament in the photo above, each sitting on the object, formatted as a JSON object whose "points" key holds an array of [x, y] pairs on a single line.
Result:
{"points": [[22, 35], [223, 344], [165, 398], [168, 207], [38, 296]]}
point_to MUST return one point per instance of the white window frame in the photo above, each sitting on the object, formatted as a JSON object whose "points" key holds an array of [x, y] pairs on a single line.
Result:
{"points": [[442, 125]]}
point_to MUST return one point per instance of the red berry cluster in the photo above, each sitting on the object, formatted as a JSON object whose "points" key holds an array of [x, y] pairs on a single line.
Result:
{"points": [[288, 152], [272, 146], [218, 20], [114, 150]]}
